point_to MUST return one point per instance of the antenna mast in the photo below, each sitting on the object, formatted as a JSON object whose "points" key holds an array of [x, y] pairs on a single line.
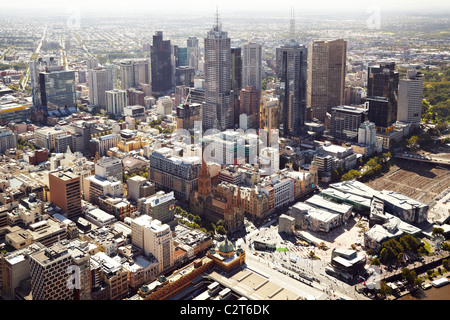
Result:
{"points": [[292, 26]]}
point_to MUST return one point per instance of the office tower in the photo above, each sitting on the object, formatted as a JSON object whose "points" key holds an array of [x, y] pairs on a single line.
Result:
{"points": [[410, 95], [141, 71], [109, 167], [184, 76], [65, 192], [218, 108], [153, 238], [112, 76], [8, 140], [135, 97], [236, 80], [98, 84], [91, 63], [182, 58], [367, 133], [291, 69], [49, 274], [35, 68], [188, 114], [252, 69], [382, 94], [326, 76], [103, 144], [116, 101], [159, 206], [126, 75], [250, 98], [171, 173], [193, 51], [345, 122], [161, 62], [57, 88]]}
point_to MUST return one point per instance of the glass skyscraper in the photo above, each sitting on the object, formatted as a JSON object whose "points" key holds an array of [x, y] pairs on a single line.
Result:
{"points": [[58, 88]]}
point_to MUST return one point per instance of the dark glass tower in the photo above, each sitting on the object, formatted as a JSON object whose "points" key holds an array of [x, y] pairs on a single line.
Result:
{"points": [[57, 87], [382, 83], [291, 70], [161, 65]]}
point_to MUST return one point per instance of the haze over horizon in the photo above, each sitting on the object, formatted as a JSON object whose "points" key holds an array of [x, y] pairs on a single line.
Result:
{"points": [[180, 7]]}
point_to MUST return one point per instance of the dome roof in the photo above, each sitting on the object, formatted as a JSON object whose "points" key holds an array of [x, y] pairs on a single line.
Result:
{"points": [[226, 247]]}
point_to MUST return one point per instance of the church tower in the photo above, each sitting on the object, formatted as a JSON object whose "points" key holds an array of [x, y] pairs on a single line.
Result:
{"points": [[204, 180]]}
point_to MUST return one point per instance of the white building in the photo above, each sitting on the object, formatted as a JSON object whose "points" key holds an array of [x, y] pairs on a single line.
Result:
{"points": [[153, 238], [410, 94], [100, 218], [164, 106], [116, 101], [98, 84]]}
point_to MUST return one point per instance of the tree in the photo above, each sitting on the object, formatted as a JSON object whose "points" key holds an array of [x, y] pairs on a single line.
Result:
{"points": [[384, 289], [375, 262]]}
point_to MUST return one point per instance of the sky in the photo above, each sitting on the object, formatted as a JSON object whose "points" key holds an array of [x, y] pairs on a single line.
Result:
{"points": [[230, 6]]}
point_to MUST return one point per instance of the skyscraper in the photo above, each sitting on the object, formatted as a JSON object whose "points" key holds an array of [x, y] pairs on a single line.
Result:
{"points": [[382, 94], [161, 62], [193, 51], [218, 109], [250, 98], [126, 75], [252, 65], [57, 87], [410, 95], [236, 80], [98, 84], [326, 76], [291, 69]]}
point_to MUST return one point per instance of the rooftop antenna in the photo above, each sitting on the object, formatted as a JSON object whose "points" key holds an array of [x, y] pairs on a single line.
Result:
{"points": [[292, 26], [217, 26]]}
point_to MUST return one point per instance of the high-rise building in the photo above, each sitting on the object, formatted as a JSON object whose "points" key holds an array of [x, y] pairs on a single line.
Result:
{"points": [[8, 140], [126, 75], [153, 238], [161, 62], [159, 206], [236, 80], [116, 101], [65, 192], [141, 71], [218, 109], [112, 76], [382, 94], [193, 51], [135, 97], [184, 76], [49, 274], [367, 133], [345, 121], [57, 87], [292, 72], [98, 84], [91, 63], [326, 76], [252, 69], [250, 98], [410, 95]]}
